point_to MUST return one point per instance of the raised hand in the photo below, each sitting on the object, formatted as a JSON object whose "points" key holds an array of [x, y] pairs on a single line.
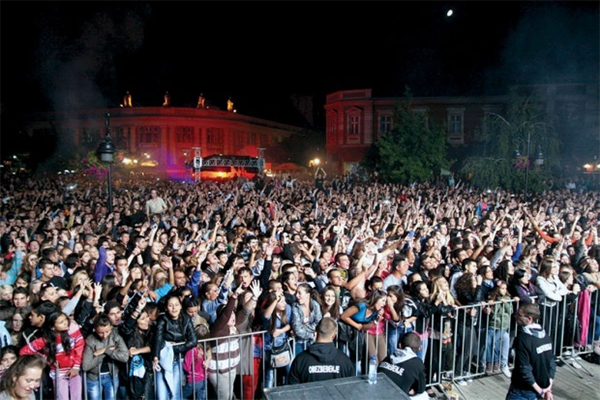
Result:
{"points": [[255, 289]]}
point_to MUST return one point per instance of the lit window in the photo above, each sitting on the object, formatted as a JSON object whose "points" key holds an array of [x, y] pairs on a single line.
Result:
{"points": [[149, 134], [238, 138], [184, 134], [214, 136]]}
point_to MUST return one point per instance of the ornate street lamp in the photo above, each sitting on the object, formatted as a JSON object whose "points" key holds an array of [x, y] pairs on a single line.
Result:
{"points": [[106, 153]]}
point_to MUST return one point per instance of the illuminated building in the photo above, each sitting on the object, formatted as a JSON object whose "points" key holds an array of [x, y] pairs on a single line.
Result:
{"points": [[354, 119], [162, 139]]}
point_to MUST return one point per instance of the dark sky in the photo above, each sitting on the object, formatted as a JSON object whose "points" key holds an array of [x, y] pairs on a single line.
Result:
{"points": [[61, 55]]}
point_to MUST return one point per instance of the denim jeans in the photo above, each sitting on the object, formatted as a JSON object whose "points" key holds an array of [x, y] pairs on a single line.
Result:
{"points": [[300, 347], [519, 394], [423, 352], [104, 388], [395, 335], [594, 329], [498, 342], [198, 387], [162, 390], [270, 371]]}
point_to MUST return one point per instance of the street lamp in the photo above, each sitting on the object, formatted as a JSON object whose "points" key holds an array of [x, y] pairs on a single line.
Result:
{"points": [[106, 153], [539, 161]]}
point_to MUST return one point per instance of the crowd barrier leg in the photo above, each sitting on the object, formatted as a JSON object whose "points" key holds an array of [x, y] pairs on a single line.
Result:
{"points": [[85, 393], [571, 325], [181, 375], [56, 388]]}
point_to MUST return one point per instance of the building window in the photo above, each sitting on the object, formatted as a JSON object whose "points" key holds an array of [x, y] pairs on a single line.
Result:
{"points": [[385, 123], [455, 125], [149, 134], [331, 129], [264, 140], [184, 134], [353, 125], [214, 136], [121, 138], [251, 138], [238, 138], [89, 135]]}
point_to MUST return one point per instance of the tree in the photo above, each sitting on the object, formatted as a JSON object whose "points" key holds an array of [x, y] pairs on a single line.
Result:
{"points": [[522, 126], [411, 151]]}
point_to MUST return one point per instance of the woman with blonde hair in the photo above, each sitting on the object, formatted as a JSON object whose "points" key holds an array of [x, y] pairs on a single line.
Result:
{"points": [[77, 278], [551, 306], [443, 313]]}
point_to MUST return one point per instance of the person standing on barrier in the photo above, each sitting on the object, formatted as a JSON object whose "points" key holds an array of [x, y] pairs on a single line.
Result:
{"points": [[175, 335], [533, 375]]}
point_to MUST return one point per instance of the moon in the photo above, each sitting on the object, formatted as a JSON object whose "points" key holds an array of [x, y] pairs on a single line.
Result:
{"points": [[449, 13]]}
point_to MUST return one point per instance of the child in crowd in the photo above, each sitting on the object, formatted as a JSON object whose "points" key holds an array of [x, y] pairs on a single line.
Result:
{"points": [[498, 340], [194, 365], [62, 344]]}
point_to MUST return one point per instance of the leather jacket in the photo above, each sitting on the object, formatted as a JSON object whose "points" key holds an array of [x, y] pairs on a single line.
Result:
{"points": [[179, 331]]}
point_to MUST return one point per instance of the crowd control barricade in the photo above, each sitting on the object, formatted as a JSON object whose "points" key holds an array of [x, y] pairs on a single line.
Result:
{"points": [[252, 354], [572, 324], [462, 345]]}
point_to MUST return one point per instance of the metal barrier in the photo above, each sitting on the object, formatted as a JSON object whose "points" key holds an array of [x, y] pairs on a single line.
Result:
{"points": [[471, 334]]}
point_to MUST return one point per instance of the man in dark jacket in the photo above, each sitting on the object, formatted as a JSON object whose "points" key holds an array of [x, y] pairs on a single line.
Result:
{"points": [[405, 368], [535, 366], [322, 360]]}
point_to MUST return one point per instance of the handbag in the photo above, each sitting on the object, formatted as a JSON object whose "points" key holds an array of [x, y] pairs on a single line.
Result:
{"points": [[281, 356]]}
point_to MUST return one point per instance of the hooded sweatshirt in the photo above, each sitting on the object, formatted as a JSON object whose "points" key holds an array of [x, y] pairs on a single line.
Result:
{"points": [[405, 369], [534, 358], [320, 362]]}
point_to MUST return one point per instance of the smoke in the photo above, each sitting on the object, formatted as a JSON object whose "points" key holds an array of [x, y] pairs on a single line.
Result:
{"points": [[77, 63], [553, 44], [78, 71]]}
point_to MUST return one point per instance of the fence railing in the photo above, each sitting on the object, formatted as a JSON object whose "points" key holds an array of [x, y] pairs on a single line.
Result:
{"points": [[472, 341]]}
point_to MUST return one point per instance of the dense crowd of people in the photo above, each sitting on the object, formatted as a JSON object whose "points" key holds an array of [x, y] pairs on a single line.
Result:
{"points": [[159, 296]]}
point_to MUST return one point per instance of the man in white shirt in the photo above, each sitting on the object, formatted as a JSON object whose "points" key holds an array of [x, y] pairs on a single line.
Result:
{"points": [[398, 276]]}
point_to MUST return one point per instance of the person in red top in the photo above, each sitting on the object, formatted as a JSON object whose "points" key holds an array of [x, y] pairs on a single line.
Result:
{"points": [[62, 345]]}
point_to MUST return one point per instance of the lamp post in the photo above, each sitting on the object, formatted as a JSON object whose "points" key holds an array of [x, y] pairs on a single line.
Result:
{"points": [[106, 153], [539, 161]]}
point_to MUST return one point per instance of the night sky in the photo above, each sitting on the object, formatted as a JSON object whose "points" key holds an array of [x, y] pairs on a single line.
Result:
{"points": [[64, 55]]}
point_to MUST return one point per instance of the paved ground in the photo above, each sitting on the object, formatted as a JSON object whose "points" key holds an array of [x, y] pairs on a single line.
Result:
{"points": [[568, 385]]}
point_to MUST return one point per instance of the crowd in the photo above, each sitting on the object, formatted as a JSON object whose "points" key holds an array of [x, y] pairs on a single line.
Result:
{"points": [[159, 297]]}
